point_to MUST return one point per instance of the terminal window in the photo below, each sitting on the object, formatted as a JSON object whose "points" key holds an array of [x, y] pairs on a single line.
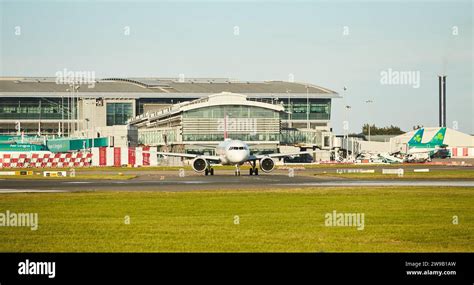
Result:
{"points": [[118, 113], [319, 109], [33, 108]]}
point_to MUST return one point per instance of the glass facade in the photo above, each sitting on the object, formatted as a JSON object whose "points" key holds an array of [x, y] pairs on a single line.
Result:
{"points": [[237, 111], [243, 122], [235, 136], [319, 109], [158, 137], [292, 136], [119, 113], [33, 108]]}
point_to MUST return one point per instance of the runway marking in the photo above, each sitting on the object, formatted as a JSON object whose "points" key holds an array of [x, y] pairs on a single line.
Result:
{"points": [[160, 182], [77, 182], [5, 191], [384, 183]]}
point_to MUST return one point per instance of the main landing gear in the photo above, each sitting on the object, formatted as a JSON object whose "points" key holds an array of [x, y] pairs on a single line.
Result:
{"points": [[253, 169], [209, 171]]}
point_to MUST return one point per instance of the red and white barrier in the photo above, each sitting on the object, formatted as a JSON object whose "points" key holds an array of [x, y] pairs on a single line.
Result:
{"points": [[22, 159], [459, 152], [119, 156]]}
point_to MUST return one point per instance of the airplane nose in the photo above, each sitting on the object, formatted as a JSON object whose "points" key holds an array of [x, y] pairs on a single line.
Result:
{"points": [[238, 157], [241, 156]]}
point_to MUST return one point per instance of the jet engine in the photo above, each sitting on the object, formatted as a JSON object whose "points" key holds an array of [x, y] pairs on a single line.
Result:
{"points": [[199, 164], [267, 164]]}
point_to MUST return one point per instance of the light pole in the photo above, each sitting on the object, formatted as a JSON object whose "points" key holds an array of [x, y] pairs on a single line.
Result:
{"points": [[61, 125], [289, 112], [346, 122], [73, 112], [68, 115], [346, 127], [307, 108], [76, 90], [169, 114], [39, 122], [369, 102]]}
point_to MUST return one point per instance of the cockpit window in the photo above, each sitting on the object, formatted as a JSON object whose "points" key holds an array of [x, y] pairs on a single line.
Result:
{"points": [[237, 148]]}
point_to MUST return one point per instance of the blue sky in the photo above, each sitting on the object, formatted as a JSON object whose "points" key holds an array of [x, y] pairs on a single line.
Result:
{"points": [[303, 38]]}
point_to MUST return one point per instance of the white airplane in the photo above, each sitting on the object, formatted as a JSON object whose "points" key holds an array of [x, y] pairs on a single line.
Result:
{"points": [[421, 152], [232, 152], [417, 157]]}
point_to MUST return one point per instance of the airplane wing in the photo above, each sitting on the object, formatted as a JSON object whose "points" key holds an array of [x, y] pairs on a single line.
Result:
{"points": [[189, 155], [277, 155], [206, 145]]}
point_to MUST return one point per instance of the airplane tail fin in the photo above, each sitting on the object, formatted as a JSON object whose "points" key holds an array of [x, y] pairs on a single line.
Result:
{"points": [[417, 137], [438, 138]]}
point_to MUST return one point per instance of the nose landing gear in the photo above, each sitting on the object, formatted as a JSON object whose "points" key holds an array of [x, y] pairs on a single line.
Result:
{"points": [[237, 170]]}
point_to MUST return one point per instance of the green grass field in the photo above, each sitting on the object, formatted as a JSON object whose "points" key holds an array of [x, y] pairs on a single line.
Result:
{"points": [[408, 175], [404, 219]]}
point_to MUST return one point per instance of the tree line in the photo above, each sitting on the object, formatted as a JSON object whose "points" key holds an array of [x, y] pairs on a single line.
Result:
{"points": [[374, 130]]}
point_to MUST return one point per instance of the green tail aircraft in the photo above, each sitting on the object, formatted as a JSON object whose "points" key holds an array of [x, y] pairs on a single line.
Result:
{"points": [[419, 151], [436, 141], [417, 137]]}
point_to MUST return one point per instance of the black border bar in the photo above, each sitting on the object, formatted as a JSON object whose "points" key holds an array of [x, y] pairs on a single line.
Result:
{"points": [[240, 266]]}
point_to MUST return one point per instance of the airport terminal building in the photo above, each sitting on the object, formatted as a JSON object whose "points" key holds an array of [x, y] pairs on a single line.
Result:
{"points": [[206, 121], [284, 112]]}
